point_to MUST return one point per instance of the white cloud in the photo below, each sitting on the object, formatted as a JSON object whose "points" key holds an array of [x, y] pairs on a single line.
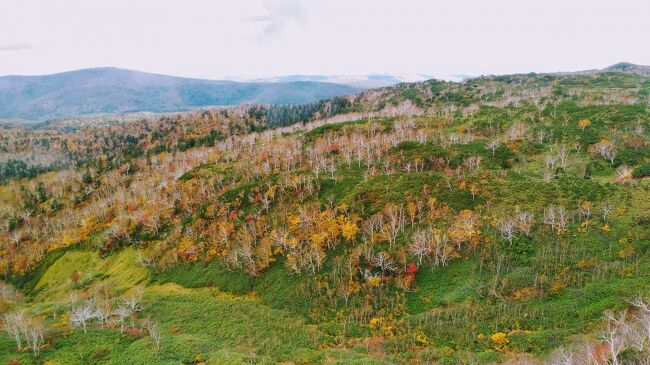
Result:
{"points": [[279, 15], [8, 47], [262, 38]]}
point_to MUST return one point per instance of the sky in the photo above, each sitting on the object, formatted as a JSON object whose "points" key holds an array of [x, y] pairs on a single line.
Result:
{"points": [[261, 38]]}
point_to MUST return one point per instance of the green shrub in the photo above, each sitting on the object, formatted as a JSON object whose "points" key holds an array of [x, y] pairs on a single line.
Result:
{"points": [[642, 171]]}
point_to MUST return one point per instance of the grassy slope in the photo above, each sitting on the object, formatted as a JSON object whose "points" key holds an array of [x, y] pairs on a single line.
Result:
{"points": [[202, 324], [265, 319]]}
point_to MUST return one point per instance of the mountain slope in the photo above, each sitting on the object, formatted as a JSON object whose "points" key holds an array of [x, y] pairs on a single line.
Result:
{"points": [[629, 68], [483, 222], [112, 90]]}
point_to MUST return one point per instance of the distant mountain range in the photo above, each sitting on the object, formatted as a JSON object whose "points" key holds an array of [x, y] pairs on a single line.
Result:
{"points": [[358, 81], [107, 91], [117, 91]]}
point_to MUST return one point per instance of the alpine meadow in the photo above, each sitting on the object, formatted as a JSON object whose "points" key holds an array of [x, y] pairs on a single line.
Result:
{"points": [[495, 219]]}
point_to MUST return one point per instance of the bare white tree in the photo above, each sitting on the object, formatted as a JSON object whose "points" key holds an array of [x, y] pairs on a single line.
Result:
{"points": [[420, 245], [83, 314], [473, 163], [614, 334], [21, 327], [103, 311], [606, 149], [154, 333], [383, 262], [493, 145], [623, 172], [132, 300], [394, 222], [13, 322], [557, 217], [507, 228], [122, 313], [524, 221], [8, 292], [34, 335]]}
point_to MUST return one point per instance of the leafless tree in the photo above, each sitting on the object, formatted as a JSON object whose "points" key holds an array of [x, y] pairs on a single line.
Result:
{"points": [[394, 222], [524, 222], [605, 210], [550, 162], [21, 327], [103, 311], [473, 162], [614, 334], [383, 261], [122, 313], [420, 245], [548, 175], [623, 172], [441, 251], [83, 314], [34, 335], [8, 292], [606, 149], [493, 145], [562, 357], [154, 333], [132, 301], [507, 228], [557, 217], [13, 323]]}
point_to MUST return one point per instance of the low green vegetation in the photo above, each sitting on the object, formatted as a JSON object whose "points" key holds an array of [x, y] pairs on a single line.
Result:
{"points": [[488, 221]]}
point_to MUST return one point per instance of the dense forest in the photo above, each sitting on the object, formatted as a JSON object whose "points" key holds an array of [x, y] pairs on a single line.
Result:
{"points": [[504, 219]]}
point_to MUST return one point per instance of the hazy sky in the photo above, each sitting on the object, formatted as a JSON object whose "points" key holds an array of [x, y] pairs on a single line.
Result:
{"points": [[254, 38]]}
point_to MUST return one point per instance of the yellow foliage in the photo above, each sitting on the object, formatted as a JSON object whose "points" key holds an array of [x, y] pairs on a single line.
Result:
{"points": [[500, 341], [526, 293], [584, 123], [626, 252], [349, 231], [447, 351], [557, 285], [373, 281], [422, 339], [318, 239], [375, 322], [185, 244], [294, 221], [330, 225], [587, 263]]}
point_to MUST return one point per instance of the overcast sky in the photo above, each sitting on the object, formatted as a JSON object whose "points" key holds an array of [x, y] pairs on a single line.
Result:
{"points": [[255, 38]]}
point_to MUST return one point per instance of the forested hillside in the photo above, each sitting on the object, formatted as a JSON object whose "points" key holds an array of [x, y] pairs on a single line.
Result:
{"points": [[505, 219]]}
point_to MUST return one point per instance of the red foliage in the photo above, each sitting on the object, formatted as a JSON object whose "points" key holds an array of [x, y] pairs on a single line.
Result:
{"points": [[601, 353], [411, 269], [134, 332]]}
